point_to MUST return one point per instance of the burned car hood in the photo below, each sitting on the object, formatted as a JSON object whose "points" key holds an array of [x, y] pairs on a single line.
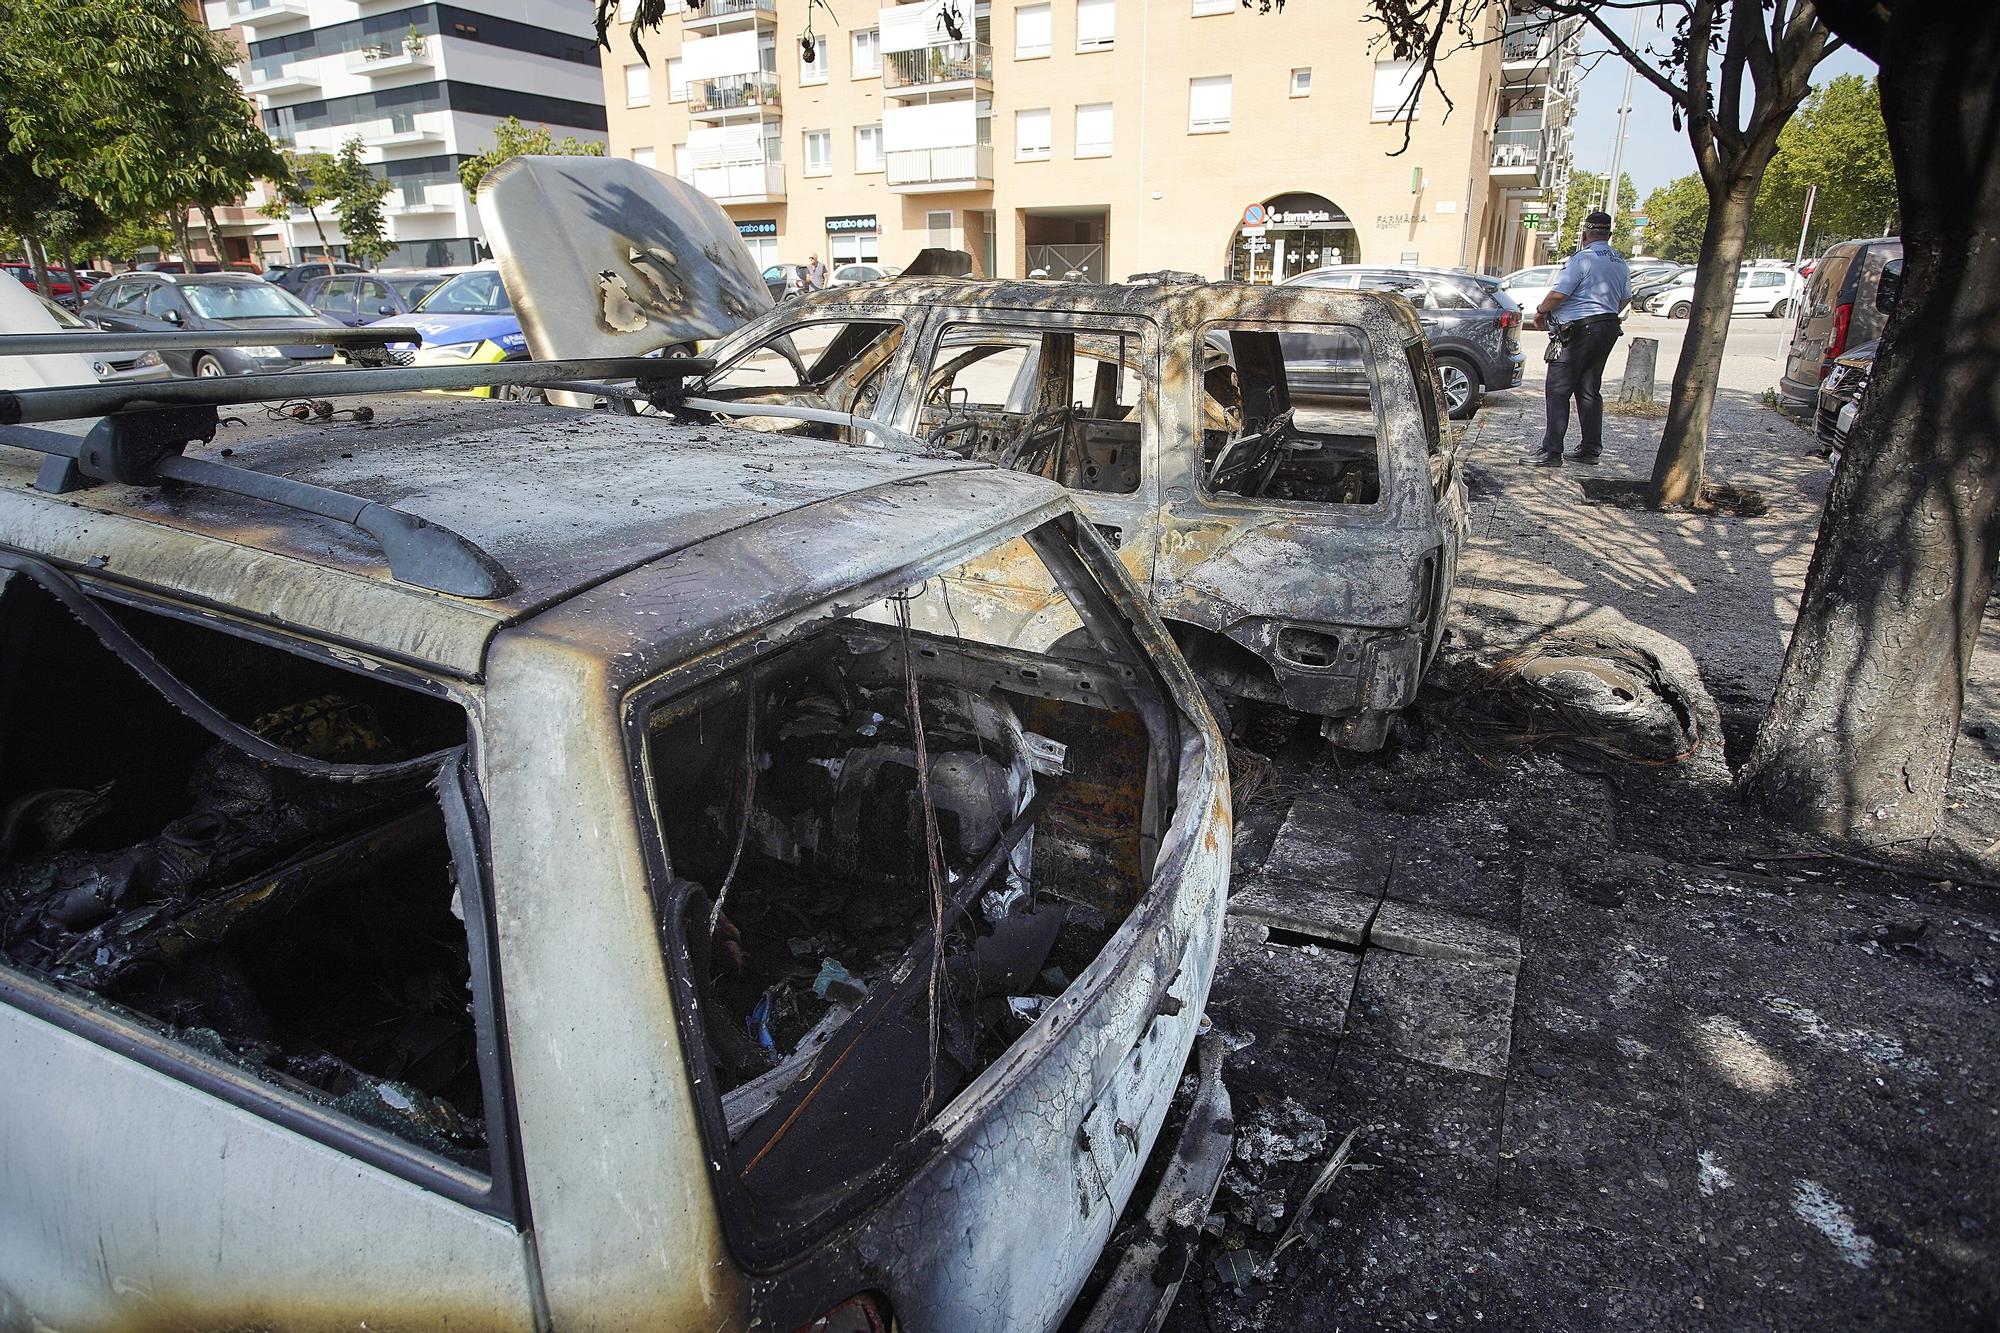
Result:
{"points": [[604, 257]]}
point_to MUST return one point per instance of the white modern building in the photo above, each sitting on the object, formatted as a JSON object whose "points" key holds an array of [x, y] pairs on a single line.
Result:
{"points": [[422, 86], [1533, 130]]}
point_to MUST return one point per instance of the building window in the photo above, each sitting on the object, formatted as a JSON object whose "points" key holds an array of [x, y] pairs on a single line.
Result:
{"points": [[1302, 82], [1206, 7], [1208, 105], [1396, 83], [819, 152], [861, 247], [1031, 32], [638, 86], [1031, 135], [867, 148], [938, 224], [867, 53], [683, 164], [643, 156], [1093, 130], [1095, 23], [814, 70], [677, 84]]}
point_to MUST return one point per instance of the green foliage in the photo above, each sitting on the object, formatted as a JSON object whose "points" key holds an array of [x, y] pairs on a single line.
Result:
{"points": [[361, 194], [511, 138], [1836, 141], [1678, 212], [128, 240], [129, 103], [1586, 195]]}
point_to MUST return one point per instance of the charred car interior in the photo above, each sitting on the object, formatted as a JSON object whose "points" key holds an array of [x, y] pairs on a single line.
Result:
{"points": [[302, 927], [1277, 425], [893, 850]]}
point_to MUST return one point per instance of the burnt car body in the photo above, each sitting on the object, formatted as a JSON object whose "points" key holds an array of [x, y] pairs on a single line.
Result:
{"points": [[1298, 531], [1840, 395], [464, 899]]}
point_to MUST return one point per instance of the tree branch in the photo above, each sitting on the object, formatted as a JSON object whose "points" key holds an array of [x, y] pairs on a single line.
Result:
{"points": [[1588, 12]]}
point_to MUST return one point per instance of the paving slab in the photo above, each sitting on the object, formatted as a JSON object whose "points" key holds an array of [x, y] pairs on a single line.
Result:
{"points": [[1327, 843], [1443, 1011], [1416, 929], [1332, 914], [1440, 1125], [1262, 982]]}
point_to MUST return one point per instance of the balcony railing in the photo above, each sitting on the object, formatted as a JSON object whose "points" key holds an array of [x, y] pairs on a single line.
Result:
{"points": [[268, 13], [940, 166], [1527, 42], [1517, 149], [743, 182], [277, 74], [737, 92], [722, 9], [389, 58], [955, 62]]}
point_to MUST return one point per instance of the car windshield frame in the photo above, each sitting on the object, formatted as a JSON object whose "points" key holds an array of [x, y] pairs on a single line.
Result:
{"points": [[203, 299], [441, 299]]}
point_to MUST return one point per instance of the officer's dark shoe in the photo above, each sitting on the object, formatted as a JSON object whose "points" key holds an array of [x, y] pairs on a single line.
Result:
{"points": [[1581, 457], [1540, 459]]}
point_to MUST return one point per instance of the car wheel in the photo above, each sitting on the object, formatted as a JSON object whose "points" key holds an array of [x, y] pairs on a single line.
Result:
{"points": [[208, 368], [1461, 387], [1681, 310], [1780, 310]]}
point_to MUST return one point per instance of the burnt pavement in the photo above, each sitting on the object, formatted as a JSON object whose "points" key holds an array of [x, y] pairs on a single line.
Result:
{"points": [[1613, 1051]]}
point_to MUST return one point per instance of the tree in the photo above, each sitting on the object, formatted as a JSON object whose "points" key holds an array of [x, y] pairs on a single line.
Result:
{"points": [[1678, 213], [127, 240], [1861, 731], [304, 180], [1586, 195], [150, 125], [511, 138], [1837, 142], [361, 193]]}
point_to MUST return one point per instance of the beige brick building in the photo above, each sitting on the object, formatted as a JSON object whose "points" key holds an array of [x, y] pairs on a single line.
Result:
{"points": [[1097, 137]]}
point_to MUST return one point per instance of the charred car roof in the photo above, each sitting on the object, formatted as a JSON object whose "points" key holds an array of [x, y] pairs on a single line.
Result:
{"points": [[564, 501]]}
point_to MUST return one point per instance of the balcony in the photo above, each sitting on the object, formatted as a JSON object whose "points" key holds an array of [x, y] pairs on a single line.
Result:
{"points": [[380, 62], [936, 170], [265, 17], [418, 200], [402, 131], [741, 182], [734, 95], [939, 68], [1526, 45], [1517, 154], [723, 15], [272, 77]]}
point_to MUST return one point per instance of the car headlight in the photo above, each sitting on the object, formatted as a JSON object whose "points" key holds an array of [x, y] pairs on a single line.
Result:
{"points": [[450, 352], [146, 359], [262, 353]]}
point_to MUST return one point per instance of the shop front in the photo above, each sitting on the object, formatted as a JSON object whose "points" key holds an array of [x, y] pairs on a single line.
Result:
{"points": [[1290, 234]]}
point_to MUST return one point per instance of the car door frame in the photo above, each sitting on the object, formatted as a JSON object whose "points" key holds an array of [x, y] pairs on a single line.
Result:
{"points": [[1130, 522]]}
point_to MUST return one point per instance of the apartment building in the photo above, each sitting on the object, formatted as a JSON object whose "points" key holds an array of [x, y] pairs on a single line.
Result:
{"points": [[422, 86], [1096, 137]]}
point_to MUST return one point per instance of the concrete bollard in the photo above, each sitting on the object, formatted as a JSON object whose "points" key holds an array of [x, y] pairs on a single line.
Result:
{"points": [[1641, 359]]}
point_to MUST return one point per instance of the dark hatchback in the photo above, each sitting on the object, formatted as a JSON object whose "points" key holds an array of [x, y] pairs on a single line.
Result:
{"points": [[197, 302], [1473, 327], [1840, 394], [362, 298]]}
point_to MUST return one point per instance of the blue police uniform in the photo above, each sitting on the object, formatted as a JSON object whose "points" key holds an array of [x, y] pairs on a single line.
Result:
{"points": [[1596, 285]]}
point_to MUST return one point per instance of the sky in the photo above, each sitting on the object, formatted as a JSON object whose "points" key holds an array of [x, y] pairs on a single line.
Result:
{"points": [[1655, 152]]}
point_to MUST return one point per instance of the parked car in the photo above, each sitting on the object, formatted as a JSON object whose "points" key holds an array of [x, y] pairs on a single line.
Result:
{"points": [[1846, 303], [847, 275], [468, 318], [777, 279], [1770, 291], [68, 288], [1840, 394], [294, 277], [1644, 289], [1472, 323], [383, 950], [193, 302], [122, 367], [1529, 286], [364, 298]]}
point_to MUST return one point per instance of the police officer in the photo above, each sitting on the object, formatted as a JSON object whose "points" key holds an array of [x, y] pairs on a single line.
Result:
{"points": [[1581, 311]]}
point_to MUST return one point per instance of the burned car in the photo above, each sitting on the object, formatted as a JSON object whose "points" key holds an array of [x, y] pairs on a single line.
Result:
{"points": [[498, 868], [1269, 463]]}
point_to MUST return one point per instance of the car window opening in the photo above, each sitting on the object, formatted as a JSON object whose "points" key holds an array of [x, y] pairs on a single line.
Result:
{"points": [[1290, 415], [304, 929], [835, 365], [1059, 403], [848, 985]]}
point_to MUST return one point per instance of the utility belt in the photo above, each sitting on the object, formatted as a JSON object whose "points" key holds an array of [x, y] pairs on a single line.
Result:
{"points": [[1561, 331]]}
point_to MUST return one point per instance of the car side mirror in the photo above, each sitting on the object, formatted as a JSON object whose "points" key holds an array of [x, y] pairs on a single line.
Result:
{"points": [[1889, 288], [385, 310], [172, 316]]}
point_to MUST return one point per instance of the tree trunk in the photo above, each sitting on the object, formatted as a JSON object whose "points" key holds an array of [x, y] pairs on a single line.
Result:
{"points": [[38, 259], [1683, 458], [1859, 739], [214, 233], [325, 250], [68, 256], [177, 219]]}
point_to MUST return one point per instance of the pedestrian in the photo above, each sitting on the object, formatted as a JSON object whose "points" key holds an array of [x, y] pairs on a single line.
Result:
{"points": [[815, 274], [1581, 312]]}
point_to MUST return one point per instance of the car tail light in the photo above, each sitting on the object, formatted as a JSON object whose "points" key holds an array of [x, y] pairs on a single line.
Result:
{"points": [[1507, 318], [856, 1314], [1836, 344]]}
